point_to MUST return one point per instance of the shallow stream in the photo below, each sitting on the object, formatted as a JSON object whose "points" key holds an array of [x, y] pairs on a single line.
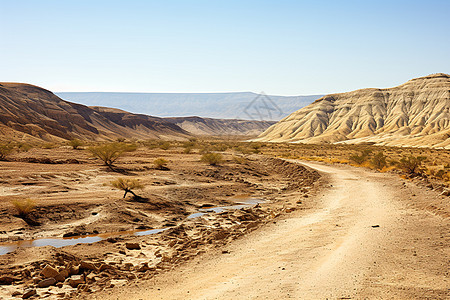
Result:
{"points": [[89, 239]]}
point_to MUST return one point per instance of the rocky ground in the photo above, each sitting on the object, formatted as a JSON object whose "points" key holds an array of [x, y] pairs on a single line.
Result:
{"points": [[74, 199]]}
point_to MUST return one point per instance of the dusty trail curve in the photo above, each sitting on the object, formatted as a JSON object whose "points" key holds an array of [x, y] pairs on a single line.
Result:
{"points": [[362, 241]]}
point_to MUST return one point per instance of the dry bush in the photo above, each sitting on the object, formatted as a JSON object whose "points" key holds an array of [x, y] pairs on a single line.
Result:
{"points": [[161, 164], [24, 207], [24, 147], [5, 150], [379, 160], [187, 149], [75, 144], [359, 159], [127, 185], [241, 160], [412, 164], [49, 146], [212, 158], [165, 145], [109, 153]]}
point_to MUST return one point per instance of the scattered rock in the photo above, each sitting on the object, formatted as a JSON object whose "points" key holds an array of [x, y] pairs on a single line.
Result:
{"points": [[86, 265], [7, 280], [74, 270], [28, 293], [46, 282], [49, 272], [132, 246], [75, 281], [446, 192], [104, 267]]}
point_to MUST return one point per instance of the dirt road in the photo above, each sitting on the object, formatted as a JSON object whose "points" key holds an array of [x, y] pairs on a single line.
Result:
{"points": [[365, 239]]}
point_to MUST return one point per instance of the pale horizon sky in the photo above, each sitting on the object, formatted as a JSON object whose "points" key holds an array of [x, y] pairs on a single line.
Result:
{"points": [[279, 47]]}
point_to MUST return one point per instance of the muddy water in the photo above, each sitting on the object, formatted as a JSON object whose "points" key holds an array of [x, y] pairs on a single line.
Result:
{"points": [[89, 239]]}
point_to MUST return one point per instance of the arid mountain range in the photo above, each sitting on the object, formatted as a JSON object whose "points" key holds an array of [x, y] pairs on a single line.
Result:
{"points": [[238, 105], [29, 112], [415, 113]]}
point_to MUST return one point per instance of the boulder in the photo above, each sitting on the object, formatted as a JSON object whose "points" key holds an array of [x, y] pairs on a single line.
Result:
{"points": [[132, 246], [87, 265], [75, 281], [49, 272], [7, 280], [46, 282], [74, 270], [28, 293]]}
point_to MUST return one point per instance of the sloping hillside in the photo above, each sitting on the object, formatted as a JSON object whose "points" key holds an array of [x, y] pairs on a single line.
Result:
{"points": [[208, 126], [413, 114], [28, 112], [206, 105]]}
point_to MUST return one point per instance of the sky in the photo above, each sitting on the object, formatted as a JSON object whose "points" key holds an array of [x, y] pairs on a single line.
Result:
{"points": [[279, 47]]}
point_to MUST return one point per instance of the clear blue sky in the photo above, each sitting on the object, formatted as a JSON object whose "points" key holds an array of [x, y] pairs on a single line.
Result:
{"points": [[280, 47]]}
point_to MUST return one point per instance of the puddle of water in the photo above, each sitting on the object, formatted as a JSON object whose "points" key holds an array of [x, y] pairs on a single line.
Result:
{"points": [[89, 239], [69, 241]]}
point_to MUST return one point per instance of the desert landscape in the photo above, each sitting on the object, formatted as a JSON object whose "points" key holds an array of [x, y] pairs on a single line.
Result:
{"points": [[225, 150], [115, 205]]}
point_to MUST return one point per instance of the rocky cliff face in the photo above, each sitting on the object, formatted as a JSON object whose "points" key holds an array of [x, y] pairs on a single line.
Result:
{"points": [[413, 114]]}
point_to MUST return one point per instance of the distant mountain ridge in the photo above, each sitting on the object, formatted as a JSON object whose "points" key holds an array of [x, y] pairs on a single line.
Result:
{"points": [[206, 105], [416, 113], [28, 112]]}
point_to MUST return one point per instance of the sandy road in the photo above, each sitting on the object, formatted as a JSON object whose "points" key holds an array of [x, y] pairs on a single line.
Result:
{"points": [[362, 241]]}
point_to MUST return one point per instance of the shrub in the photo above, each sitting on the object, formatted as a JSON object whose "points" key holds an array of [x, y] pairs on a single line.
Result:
{"points": [[161, 164], [187, 149], [5, 150], [212, 158], [411, 164], [240, 160], [379, 161], [127, 185], [359, 159], [24, 207], [109, 153], [24, 147], [75, 143], [48, 146], [164, 145]]}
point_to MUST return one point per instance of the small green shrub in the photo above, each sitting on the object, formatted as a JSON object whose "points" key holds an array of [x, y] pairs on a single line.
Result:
{"points": [[412, 164], [360, 159], [379, 160], [212, 158], [127, 185], [24, 147], [187, 150], [75, 144], [5, 150], [49, 146], [165, 145], [24, 207], [161, 164], [110, 152], [240, 160]]}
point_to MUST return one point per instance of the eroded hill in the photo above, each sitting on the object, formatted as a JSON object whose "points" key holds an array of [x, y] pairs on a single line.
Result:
{"points": [[28, 112], [413, 114]]}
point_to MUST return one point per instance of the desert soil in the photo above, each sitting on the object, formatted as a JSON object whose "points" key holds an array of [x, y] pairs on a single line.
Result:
{"points": [[370, 236], [75, 201]]}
